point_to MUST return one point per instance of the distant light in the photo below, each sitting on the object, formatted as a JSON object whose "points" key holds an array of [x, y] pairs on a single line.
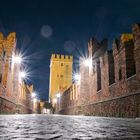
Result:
{"points": [[23, 74], [88, 62], [54, 100], [33, 95], [77, 77], [34, 100], [58, 95]]}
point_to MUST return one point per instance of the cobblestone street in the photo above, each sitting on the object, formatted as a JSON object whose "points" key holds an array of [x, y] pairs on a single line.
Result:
{"points": [[44, 127]]}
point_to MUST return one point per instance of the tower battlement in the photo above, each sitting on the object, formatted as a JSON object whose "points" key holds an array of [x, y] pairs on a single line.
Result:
{"points": [[58, 57], [7, 47], [7, 43], [126, 37]]}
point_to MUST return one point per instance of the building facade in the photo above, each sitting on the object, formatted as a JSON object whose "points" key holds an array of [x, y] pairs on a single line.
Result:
{"points": [[15, 94], [110, 86], [60, 75]]}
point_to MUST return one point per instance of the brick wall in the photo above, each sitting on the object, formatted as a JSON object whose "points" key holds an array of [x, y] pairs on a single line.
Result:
{"points": [[117, 72], [8, 106], [125, 106]]}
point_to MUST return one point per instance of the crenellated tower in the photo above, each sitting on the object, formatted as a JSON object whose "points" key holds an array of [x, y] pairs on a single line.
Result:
{"points": [[60, 74], [7, 47]]}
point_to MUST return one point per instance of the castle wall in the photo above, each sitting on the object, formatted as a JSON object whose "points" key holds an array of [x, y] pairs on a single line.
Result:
{"points": [[117, 73], [125, 106], [7, 106], [11, 100]]}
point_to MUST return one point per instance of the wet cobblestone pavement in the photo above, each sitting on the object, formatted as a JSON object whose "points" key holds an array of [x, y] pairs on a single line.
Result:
{"points": [[57, 127]]}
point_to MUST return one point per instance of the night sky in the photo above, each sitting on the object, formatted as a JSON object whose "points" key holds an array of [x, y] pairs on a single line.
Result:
{"points": [[44, 27]]}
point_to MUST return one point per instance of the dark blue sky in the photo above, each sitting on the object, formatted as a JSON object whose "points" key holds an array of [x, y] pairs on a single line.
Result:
{"points": [[44, 27]]}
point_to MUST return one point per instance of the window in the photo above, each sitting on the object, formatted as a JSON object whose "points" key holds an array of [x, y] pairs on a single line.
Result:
{"points": [[4, 54], [98, 75], [120, 73], [0, 78], [111, 68]]}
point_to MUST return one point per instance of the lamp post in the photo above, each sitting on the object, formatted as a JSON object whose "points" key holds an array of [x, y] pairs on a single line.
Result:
{"points": [[54, 100], [16, 64], [17, 59], [33, 95], [77, 78], [22, 74], [34, 100], [58, 95]]}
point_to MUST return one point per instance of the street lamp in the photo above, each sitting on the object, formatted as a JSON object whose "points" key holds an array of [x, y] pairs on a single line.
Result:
{"points": [[77, 77], [33, 95], [34, 100], [17, 59], [88, 62], [23, 74], [58, 95], [15, 67], [54, 100]]}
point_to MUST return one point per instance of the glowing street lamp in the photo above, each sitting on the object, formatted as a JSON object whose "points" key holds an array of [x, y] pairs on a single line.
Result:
{"points": [[34, 100], [58, 95], [17, 59], [33, 95], [88, 62], [77, 77], [55, 100], [23, 74]]}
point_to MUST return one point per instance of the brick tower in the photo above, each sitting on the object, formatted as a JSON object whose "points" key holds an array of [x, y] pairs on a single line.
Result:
{"points": [[7, 47], [60, 74]]}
